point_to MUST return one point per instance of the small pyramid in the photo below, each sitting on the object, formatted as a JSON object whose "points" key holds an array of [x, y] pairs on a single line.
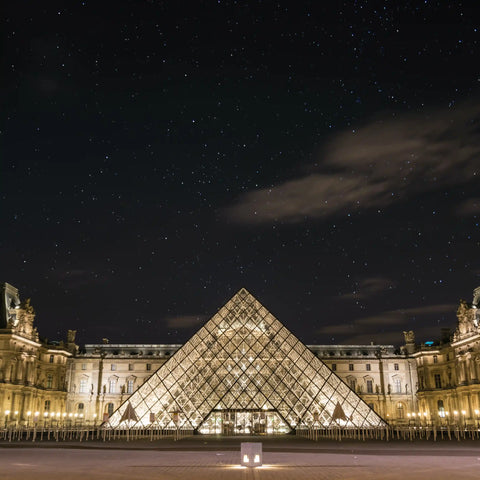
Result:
{"points": [[244, 360]]}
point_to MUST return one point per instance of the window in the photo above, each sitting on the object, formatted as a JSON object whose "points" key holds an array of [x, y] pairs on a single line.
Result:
{"points": [[83, 385], [47, 405], [350, 367], [110, 408], [441, 409], [111, 386], [130, 366], [81, 406], [352, 383], [395, 366], [398, 385], [438, 380], [369, 386], [448, 357], [49, 380], [84, 366], [113, 367], [51, 359], [334, 367], [149, 367], [369, 367], [130, 386], [400, 410], [435, 359]]}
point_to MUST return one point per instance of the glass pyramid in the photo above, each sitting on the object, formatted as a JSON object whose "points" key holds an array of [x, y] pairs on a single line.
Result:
{"points": [[244, 372]]}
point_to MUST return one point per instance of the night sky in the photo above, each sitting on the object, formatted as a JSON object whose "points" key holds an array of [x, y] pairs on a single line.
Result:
{"points": [[157, 156]]}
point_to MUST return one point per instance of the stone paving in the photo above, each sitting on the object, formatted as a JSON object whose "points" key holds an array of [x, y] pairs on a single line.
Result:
{"points": [[219, 459]]}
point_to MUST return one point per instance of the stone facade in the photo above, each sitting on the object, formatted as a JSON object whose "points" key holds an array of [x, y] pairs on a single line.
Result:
{"points": [[33, 383], [449, 372]]}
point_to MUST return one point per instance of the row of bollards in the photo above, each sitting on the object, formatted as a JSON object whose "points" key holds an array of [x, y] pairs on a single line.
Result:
{"points": [[81, 434], [408, 433]]}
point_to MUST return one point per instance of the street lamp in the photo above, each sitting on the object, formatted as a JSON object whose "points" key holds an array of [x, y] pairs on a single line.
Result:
{"points": [[28, 417], [464, 420], [477, 413], [7, 413]]}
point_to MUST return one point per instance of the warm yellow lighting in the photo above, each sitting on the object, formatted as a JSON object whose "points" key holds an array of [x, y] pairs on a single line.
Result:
{"points": [[76, 415], [64, 414], [424, 414], [37, 414], [408, 415], [58, 414], [245, 459], [94, 415], [52, 414], [16, 412], [256, 459], [7, 412], [45, 414], [464, 412], [29, 413], [81, 415], [70, 414], [455, 412], [477, 412]]}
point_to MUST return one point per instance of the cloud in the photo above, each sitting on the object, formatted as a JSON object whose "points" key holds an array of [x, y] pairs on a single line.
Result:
{"points": [[372, 326], [184, 321], [469, 207], [397, 317], [369, 287], [382, 162]]}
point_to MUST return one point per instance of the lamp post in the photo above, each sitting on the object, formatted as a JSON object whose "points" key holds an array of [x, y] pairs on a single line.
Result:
{"points": [[7, 413], [455, 415], [29, 413], [464, 419], [477, 413]]}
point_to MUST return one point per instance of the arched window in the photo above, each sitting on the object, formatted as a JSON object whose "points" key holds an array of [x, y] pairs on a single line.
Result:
{"points": [[441, 409], [81, 407], [400, 410]]}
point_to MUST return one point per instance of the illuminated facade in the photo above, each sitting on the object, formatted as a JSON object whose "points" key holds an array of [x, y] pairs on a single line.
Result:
{"points": [[449, 372], [429, 383], [33, 383]]}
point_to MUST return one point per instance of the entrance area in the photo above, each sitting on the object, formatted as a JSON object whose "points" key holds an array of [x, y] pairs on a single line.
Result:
{"points": [[244, 422]]}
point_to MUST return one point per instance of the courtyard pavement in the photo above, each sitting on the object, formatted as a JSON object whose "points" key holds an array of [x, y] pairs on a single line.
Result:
{"points": [[210, 458]]}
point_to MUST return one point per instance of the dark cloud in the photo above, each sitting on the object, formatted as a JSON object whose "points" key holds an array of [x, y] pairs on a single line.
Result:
{"points": [[469, 207], [369, 287], [383, 162], [373, 325]]}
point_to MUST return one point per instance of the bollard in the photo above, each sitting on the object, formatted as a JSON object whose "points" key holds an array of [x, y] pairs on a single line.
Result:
{"points": [[251, 454]]}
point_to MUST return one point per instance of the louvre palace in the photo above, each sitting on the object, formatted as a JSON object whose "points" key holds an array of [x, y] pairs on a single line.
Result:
{"points": [[242, 372]]}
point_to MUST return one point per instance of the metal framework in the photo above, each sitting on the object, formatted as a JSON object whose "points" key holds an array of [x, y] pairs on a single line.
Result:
{"points": [[244, 360]]}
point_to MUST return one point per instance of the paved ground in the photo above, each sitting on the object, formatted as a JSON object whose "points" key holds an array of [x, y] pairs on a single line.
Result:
{"points": [[212, 459]]}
